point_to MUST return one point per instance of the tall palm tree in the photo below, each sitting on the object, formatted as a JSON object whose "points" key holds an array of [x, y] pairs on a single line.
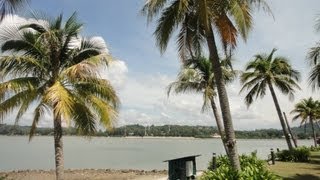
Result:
{"points": [[8, 7], [307, 110], [313, 56], [196, 21], [266, 71], [50, 66], [196, 76]]}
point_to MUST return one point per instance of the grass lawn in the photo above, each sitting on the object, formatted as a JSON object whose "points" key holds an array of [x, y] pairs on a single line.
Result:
{"points": [[298, 171]]}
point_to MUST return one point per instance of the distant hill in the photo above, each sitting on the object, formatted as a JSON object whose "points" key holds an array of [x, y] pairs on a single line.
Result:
{"points": [[165, 130]]}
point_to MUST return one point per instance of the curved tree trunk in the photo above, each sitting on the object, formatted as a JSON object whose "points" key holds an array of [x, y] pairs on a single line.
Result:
{"points": [[58, 147], [219, 124], [293, 137], [313, 132], [224, 101], [283, 124]]}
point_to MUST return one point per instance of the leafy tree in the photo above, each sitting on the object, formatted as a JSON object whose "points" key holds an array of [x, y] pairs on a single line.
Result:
{"points": [[196, 76], [196, 21], [50, 66], [307, 110], [266, 71]]}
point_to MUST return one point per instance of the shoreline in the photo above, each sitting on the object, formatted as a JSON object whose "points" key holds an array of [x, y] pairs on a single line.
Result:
{"points": [[86, 174], [148, 137]]}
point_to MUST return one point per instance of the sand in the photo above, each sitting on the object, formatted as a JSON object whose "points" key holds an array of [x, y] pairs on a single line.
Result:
{"points": [[86, 174]]}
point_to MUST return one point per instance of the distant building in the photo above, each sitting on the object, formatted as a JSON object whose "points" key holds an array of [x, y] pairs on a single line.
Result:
{"points": [[216, 135]]}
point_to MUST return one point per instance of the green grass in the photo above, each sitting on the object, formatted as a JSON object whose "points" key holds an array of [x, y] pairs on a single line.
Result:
{"points": [[299, 171]]}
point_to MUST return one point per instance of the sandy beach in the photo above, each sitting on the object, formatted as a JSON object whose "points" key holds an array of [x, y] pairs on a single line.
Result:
{"points": [[86, 174]]}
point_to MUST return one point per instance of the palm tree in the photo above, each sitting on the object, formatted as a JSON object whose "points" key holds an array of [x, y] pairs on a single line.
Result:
{"points": [[196, 76], [268, 71], [196, 20], [50, 66], [8, 7], [313, 56], [307, 109]]}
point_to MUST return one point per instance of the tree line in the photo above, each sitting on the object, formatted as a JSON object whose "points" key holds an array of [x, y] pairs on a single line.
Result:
{"points": [[304, 132]]}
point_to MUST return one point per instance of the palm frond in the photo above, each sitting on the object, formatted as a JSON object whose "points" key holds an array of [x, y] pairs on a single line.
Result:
{"points": [[39, 112], [8, 105], [99, 88], [227, 31], [20, 66], [60, 98], [261, 4], [241, 12], [170, 18], [314, 77], [265, 70], [84, 119], [8, 7], [107, 114], [152, 7]]}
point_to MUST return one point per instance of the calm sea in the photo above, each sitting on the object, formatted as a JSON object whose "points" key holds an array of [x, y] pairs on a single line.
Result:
{"points": [[119, 153]]}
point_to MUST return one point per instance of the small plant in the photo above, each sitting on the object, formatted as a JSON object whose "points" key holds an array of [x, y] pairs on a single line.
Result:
{"points": [[252, 168], [3, 177], [300, 154]]}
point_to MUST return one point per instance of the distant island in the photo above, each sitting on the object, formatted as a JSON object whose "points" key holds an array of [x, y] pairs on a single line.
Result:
{"points": [[162, 131]]}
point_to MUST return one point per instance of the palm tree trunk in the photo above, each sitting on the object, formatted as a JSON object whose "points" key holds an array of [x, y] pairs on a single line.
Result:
{"points": [[305, 127], [313, 132], [224, 101], [283, 124], [58, 147], [219, 124], [317, 123], [293, 137]]}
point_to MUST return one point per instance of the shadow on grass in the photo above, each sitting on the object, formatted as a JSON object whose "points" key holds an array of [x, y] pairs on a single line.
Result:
{"points": [[303, 177]]}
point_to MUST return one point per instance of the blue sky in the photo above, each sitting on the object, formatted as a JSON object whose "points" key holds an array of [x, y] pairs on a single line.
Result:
{"points": [[141, 74]]}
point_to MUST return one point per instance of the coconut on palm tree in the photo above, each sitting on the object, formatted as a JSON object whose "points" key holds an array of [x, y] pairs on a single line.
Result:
{"points": [[266, 71], [49, 68], [196, 21], [307, 110], [196, 76]]}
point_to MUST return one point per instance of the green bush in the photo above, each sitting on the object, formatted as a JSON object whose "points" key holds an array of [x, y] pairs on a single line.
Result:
{"points": [[252, 168], [300, 154], [312, 148], [284, 155]]}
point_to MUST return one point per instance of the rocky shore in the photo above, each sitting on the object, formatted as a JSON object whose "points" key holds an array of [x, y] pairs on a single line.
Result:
{"points": [[86, 174]]}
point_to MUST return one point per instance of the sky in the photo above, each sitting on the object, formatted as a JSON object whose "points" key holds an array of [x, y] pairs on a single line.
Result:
{"points": [[141, 74]]}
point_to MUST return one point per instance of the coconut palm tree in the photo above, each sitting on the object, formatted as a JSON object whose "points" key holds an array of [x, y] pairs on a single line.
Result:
{"points": [[313, 56], [307, 110], [196, 21], [266, 71], [8, 7], [196, 76], [48, 67]]}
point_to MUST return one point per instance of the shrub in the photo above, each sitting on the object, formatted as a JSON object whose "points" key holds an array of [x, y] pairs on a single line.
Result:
{"points": [[312, 148], [300, 154], [252, 168]]}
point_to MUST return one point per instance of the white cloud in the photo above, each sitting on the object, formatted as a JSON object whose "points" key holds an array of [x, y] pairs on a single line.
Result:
{"points": [[143, 95], [116, 73]]}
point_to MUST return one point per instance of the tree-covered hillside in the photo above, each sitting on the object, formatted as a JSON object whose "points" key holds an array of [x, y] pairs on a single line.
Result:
{"points": [[165, 130]]}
